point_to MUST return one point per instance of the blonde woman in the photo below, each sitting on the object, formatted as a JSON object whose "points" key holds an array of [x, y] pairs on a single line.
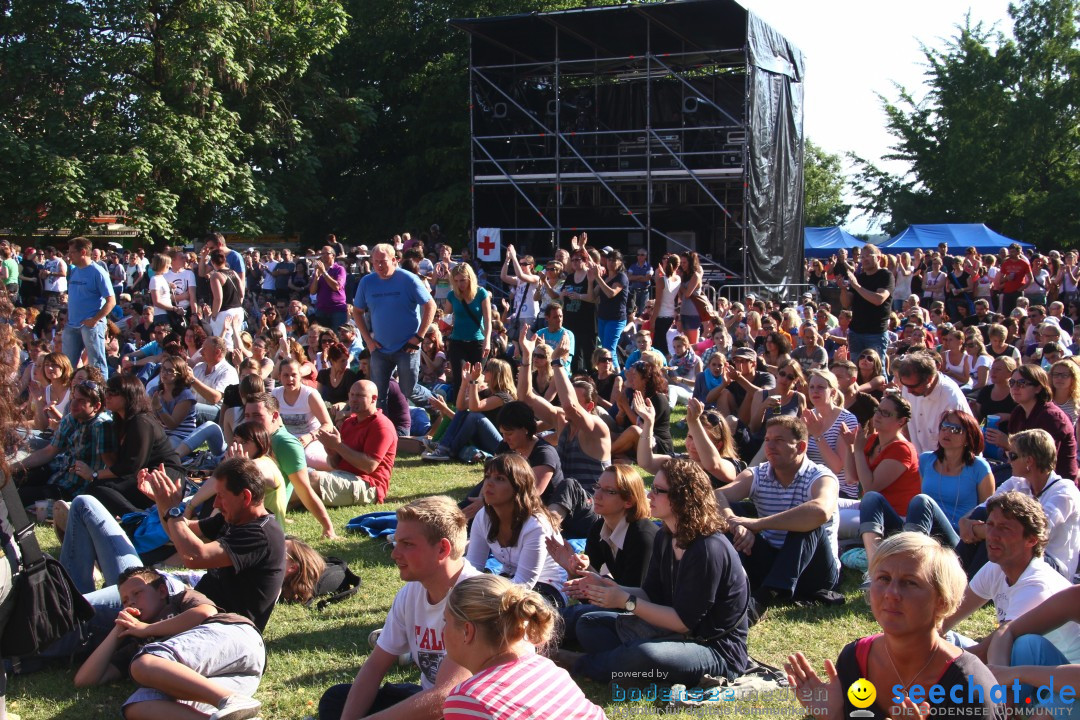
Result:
{"points": [[1065, 383], [486, 389], [826, 419], [980, 360], [954, 361], [493, 629], [304, 413], [51, 406], [470, 338], [903, 273]]}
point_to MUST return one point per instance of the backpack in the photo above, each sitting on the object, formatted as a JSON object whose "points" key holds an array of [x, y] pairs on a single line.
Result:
{"points": [[336, 583]]}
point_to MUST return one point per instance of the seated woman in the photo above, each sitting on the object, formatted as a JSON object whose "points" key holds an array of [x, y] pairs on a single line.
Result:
{"points": [[303, 413], [336, 380], [995, 399], [785, 399], [708, 442], [1065, 380], [955, 478], [582, 438], [619, 544], [140, 443], [915, 584], [1020, 652], [684, 368], [1030, 388], [292, 350], [710, 387], [52, 404], [485, 391], [232, 410], [513, 526], [543, 374], [607, 380], [886, 467], [980, 359], [689, 616], [871, 373], [825, 419], [174, 405], [494, 629], [644, 377]]}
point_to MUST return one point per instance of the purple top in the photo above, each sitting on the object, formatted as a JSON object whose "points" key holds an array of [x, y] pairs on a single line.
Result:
{"points": [[327, 300], [1049, 417]]}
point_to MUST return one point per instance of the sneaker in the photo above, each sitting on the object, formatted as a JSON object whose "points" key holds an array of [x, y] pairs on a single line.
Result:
{"points": [[237, 707], [437, 455]]}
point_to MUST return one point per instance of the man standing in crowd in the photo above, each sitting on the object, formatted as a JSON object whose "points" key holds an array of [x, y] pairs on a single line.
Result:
{"points": [[640, 275], [30, 278], [869, 297], [282, 272], [288, 453], [931, 394], [182, 281], [429, 551], [400, 308], [235, 261], [54, 274], [328, 285], [1014, 276], [362, 453], [90, 300]]}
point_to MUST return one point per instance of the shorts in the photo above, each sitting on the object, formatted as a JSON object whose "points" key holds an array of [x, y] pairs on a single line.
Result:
{"points": [[232, 655], [690, 322], [338, 488]]}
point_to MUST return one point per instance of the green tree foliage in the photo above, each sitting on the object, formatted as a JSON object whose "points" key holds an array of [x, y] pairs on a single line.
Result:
{"points": [[823, 179], [180, 114], [997, 137]]}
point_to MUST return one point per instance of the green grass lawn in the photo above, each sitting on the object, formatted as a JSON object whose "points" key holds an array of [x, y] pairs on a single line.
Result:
{"points": [[308, 650]]}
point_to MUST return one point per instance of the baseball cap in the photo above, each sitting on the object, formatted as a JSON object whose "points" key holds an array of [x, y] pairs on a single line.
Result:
{"points": [[607, 251], [744, 353]]}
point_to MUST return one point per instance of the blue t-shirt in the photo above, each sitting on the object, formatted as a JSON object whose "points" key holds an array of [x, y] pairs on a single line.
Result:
{"points": [[956, 495], [88, 288], [395, 307], [554, 338], [639, 269], [465, 327], [235, 261]]}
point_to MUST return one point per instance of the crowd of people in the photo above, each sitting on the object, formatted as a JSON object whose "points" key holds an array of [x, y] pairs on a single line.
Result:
{"points": [[910, 417]]}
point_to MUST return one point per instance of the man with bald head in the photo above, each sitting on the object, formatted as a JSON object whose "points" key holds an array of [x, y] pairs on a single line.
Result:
{"points": [[362, 453], [328, 287]]}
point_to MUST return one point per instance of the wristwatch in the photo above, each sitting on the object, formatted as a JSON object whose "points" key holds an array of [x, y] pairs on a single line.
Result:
{"points": [[93, 476], [558, 363], [175, 513], [631, 603]]}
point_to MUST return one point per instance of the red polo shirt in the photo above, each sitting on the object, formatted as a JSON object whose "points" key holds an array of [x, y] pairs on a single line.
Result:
{"points": [[375, 437]]}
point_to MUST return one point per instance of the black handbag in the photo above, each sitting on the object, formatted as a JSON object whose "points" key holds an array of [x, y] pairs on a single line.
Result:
{"points": [[46, 604]]}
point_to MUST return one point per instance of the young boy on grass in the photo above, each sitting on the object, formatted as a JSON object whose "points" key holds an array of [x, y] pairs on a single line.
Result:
{"points": [[190, 659]]}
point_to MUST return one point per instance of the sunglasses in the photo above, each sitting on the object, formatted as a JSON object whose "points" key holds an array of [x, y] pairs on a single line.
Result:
{"points": [[606, 358], [712, 418], [951, 427], [1013, 457], [539, 356], [789, 377], [884, 413]]}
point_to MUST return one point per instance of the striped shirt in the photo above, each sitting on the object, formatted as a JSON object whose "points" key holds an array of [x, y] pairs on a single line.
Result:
{"points": [[771, 497], [831, 436], [529, 687]]}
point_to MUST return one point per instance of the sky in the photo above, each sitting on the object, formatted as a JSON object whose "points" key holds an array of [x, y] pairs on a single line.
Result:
{"points": [[855, 50]]}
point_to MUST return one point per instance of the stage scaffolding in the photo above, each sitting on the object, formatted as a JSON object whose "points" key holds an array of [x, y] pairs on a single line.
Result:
{"points": [[634, 123]]}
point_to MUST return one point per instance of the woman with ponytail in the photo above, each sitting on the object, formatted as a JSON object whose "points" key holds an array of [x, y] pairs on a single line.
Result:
{"points": [[493, 629]]}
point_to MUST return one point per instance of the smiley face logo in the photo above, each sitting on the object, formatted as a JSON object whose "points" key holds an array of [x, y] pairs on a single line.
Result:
{"points": [[862, 693]]}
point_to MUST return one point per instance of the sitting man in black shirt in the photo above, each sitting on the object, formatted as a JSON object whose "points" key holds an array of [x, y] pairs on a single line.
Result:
{"points": [[242, 548]]}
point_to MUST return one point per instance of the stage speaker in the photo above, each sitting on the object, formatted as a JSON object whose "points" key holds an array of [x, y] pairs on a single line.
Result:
{"points": [[690, 104], [552, 107], [498, 111]]}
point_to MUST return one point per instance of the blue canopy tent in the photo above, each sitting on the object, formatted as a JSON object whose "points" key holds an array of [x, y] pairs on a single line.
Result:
{"points": [[822, 242], [958, 236]]}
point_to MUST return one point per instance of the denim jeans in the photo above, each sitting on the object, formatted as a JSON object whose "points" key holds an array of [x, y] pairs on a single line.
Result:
{"points": [[925, 516], [408, 368], [857, 342], [332, 702], [571, 614], [877, 516], [93, 535], [209, 433], [205, 413], [684, 661], [638, 298], [801, 567], [610, 331], [1037, 650], [92, 339], [470, 428]]}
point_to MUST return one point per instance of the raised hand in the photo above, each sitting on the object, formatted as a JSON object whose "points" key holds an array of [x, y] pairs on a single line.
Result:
{"points": [[562, 552], [694, 408], [822, 698], [475, 371], [562, 350], [527, 343], [643, 407]]}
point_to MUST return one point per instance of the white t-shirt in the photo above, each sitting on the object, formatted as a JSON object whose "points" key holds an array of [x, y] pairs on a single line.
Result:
{"points": [[180, 282], [139, 266], [926, 412], [219, 377], [416, 626], [527, 562], [527, 303], [159, 286], [297, 417], [1060, 501], [1037, 583], [269, 283], [667, 303]]}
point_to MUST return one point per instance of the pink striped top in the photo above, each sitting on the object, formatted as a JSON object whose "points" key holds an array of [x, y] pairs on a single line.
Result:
{"points": [[529, 687]]}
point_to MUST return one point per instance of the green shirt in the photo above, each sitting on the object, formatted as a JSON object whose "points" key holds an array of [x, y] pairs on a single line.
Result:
{"points": [[288, 454], [12, 266]]}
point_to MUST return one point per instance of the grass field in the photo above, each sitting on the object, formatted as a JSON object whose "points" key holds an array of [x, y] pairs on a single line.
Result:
{"points": [[308, 650]]}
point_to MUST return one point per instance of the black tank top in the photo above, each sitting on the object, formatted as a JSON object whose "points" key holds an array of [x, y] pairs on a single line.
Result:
{"points": [[230, 292]]}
